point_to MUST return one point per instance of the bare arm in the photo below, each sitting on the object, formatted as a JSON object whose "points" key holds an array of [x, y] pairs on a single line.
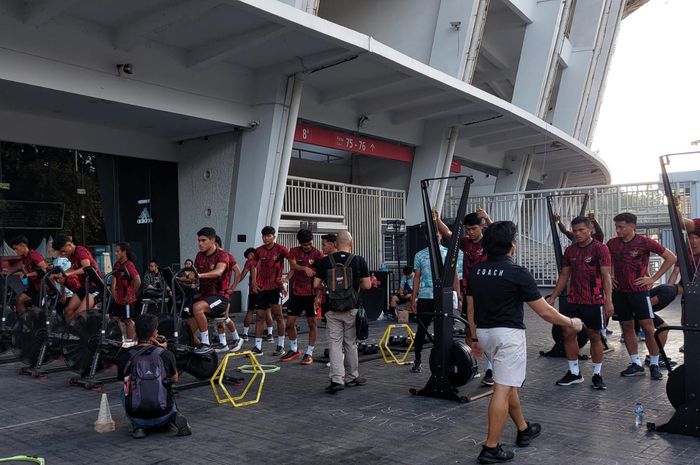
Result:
{"points": [[669, 260], [365, 283], [606, 273], [442, 227], [78, 271], [414, 291], [561, 284], [216, 272], [237, 278], [551, 315]]}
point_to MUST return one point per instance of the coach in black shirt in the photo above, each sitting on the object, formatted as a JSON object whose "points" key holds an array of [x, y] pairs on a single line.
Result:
{"points": [[496, 291]]}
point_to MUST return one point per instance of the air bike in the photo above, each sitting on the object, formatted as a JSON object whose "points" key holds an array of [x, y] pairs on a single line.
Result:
{"points": [[11, 286], [451, 362], [683, 385], [568, 203]]}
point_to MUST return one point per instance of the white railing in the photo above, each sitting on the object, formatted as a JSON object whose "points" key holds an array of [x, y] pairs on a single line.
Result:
{"points": [[361, 208], [529, 211]]}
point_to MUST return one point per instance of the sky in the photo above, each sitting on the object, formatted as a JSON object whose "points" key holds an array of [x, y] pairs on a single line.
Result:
{"points": [[651, 104]]}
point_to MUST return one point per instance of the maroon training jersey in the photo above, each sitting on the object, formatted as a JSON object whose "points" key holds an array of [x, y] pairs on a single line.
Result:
{"points": [[474, 253], [124, 284], [270, 263], [228, 274], [696, 225], [301, 284], [30, 263], [248, 265], [586, 286], [81, 253], [631, 260], [204, 263]]}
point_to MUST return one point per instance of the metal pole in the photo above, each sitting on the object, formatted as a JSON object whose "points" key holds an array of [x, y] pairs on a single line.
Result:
{"points": [[451, 145], [287, 149]]}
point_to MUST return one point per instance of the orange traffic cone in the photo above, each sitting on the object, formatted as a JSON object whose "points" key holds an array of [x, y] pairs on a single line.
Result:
{"points": [[104, 423]]}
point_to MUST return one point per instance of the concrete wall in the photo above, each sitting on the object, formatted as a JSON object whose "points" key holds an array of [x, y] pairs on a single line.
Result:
{"points": [[205, 179]]}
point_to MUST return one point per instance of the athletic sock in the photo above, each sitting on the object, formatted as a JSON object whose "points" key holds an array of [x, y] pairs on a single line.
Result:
{"points": [[489, 365], [635, 359], [204, 337], [222, 339], [573, 367], [310, 350], [235, 335], [293, 345], [258, 343], [269, 331], [597, 368], [245, 330], [653, 359], [280, 341]]}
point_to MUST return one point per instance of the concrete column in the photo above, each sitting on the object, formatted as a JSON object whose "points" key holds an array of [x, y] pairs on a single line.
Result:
{"points": [[536, 58], [427, 165], [450, 43], [554, 180], [514, 174]]}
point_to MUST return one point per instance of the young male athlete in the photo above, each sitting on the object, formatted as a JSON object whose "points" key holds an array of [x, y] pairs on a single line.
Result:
{"points": [[31, 260], [586, 266], [631, 283], [80, 257], [304, 259], [125, 282], [211, 263], [231, 278], [267, 282]]}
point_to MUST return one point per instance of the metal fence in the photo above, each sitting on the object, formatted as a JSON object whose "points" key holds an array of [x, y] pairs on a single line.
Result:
{"points": [[529, 211], [333, 206]]}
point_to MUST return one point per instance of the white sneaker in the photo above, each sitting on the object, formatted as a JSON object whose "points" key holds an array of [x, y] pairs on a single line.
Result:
{"points": [[236, 345]]}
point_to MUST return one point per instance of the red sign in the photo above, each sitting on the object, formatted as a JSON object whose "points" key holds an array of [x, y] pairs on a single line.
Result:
{"points": [[324, 137], [455, 167]]}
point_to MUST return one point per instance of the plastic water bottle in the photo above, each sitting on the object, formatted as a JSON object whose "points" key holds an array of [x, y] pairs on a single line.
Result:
{"points": [[638, 414]]}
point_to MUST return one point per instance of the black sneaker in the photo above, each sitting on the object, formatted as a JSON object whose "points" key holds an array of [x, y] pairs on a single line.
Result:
{"points": [[291, 355], [495, 454], [202, 349], [569, 379], [180, 423], [257, 351], [528, 434], [138, 433], [655, 372], [416, 368], [356, 382], [662, 364], [334, 387], [245, 337], [598, 383], [278, 351], [633, 370], [487, 380], [268, 338]]}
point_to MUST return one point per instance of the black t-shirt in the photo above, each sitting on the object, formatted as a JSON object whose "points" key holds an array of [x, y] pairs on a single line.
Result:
{"points": [[168, 361], [499, 287], [358, 266]]}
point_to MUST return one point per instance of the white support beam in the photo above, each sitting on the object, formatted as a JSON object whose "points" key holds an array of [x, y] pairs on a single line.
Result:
{"points": [[38, 12], [527, 141], [524, 9], [498, 125], [161, 20], [388, 102], [499, 90], [428, 111], [360, 88], [502, 136], [221, 49]]}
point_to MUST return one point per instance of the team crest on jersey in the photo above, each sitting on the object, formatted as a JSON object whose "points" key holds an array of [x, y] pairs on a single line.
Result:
{"points": [[311, 261], [634, 253], [211, 267], [588, 260]]}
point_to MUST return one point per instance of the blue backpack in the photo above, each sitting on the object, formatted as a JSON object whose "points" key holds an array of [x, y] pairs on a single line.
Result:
{"points": [[146, 395]]}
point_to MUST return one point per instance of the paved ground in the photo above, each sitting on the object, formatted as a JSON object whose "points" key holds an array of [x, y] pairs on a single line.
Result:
{"points": [[380, 423]]}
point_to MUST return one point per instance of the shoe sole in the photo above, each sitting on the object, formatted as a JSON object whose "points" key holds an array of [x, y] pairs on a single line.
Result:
{"points": [[485, 460], [289, 359], [487, 383], [637, 373], [599, 388], [576, 381], [527, 444], [310, 362]]}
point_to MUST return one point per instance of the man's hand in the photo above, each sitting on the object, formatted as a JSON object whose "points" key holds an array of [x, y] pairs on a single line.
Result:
{"points": [[255, 288], [557, 217], [477, 350], [551, 300], [309, 272], [577, 324], [645, 281], [608, 309]]}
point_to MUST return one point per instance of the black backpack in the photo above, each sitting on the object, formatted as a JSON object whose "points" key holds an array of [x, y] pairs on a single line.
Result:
{"points": [[146, 395], [341, 293]]}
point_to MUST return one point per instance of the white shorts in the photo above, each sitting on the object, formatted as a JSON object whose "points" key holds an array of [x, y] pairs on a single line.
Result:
{"points": [[507, 350]]}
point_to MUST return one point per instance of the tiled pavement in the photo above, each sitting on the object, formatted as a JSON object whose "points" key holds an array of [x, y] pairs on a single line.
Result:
{"points": [[380, 423]]}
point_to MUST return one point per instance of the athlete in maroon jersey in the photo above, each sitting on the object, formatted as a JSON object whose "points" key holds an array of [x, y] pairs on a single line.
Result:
{"points": [[232, 271], [210, 263], [587, 265], [250, 263], [631, 283], [598, 233], [303, 260], [125, 281], [80, 257], [267, 282], [472, 246], [31, 260]]}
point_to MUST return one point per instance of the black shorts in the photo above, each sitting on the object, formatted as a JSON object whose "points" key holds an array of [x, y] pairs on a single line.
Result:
{"points": [[592, 315], [658, 321], [122, 311], [632, 306], [217, 304], [81, 292], [251, 300], [404, 299], [266, 299], [299, 304]]}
